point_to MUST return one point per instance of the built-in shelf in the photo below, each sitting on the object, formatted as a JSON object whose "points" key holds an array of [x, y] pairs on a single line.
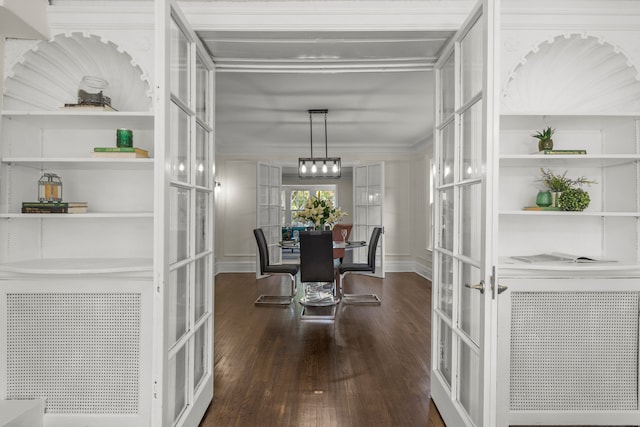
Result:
{"points": [[73, 119], [72, 266], [573, 160], [115, 215], [505, 264], [571, 213], [80, 162]]}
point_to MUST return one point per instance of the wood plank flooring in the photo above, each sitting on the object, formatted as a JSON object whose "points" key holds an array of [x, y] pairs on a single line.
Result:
{"points": [[369, 367]]}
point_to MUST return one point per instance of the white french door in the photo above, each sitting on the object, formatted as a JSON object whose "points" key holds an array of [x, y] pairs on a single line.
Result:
{"points": [[368, 202], [463, 338], [269, 210], [183, 245]]}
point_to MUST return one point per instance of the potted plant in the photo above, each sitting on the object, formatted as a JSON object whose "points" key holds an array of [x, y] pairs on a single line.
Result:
{"points": [[545, 141], [559, 184], [574, 199]]}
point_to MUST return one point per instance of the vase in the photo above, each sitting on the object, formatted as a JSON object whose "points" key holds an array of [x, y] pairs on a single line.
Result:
{"points": [[555, 198], [543, 199], [545, 144]]}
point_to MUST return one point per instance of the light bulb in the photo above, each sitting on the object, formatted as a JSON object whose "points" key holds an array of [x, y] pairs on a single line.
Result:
{"points": [[303, 168], [314, 169], [335, 167], [324, 167]]}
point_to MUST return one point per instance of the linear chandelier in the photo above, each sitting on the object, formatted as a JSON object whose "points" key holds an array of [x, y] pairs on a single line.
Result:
{"points": [[319, 167]]}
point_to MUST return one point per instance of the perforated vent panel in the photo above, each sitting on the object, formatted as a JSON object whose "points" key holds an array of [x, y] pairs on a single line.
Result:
{"points": [[574, 351], [78, 351]]}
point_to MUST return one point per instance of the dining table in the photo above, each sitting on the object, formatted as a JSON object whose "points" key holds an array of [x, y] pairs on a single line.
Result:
{"points": [[322, 294]]}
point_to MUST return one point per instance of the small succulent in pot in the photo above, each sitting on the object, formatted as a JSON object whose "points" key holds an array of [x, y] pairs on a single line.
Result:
{"points": [[545, 141], [574, 199]]}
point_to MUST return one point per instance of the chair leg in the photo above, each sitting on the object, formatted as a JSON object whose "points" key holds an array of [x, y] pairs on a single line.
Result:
{"points": [[357, 299], [280, 300]]}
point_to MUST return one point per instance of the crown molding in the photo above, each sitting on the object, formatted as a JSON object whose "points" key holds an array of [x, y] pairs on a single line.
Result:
{"points": [[575, 15], [88, 15], [434, 15]]}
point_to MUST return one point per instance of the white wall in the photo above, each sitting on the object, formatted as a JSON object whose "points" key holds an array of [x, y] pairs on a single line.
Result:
{"points": [[405, 210]]}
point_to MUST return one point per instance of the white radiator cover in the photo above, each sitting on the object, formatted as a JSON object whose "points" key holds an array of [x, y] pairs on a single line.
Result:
{"points": [[79, 351], [84, 347], [573, 351]]}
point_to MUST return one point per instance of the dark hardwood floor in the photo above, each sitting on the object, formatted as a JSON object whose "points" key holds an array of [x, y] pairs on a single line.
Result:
{"points": [[369, 367]]}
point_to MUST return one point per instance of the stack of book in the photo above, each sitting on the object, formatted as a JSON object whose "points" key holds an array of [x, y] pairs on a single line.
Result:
{"points": [[576, 151], [89, 107], [120, 152], [54, 207]]}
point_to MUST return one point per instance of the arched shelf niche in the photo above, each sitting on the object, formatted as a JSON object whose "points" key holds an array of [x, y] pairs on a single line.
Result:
{"points": [[48, 76], [573, 74]]}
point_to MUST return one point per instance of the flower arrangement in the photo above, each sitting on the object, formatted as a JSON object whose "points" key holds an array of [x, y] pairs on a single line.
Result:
{"points": [[319, 212]]}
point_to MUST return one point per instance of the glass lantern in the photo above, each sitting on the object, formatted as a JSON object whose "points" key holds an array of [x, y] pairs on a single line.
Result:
{"points": [[50, 188]]}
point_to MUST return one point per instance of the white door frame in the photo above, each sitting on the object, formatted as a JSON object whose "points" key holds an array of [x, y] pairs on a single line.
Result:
{"points": [[448, 388]]}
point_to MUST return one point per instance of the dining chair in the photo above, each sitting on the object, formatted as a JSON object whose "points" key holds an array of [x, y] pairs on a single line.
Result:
{"points": [[270, 269], [338, 253], [317, 273], [368, 267]]}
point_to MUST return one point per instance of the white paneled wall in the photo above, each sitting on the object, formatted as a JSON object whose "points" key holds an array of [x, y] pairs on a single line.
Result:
{"points": [[406, 212]]}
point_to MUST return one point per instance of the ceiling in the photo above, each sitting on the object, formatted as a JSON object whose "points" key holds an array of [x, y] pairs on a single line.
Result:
{"points": [[378, 88]]}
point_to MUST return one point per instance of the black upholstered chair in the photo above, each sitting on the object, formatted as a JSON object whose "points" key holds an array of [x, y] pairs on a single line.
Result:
{"points": [[369, 267], [266, 268], [317, 273]]}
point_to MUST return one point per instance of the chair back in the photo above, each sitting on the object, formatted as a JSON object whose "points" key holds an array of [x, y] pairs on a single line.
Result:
{"points": [[373, 247], [337, 237], [263, 249], [316, 256]]}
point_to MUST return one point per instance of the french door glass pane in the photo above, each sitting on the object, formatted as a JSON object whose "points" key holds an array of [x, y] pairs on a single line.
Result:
{"points": [[472, 142], [202, 209], [177, 379], [375, 175], [446, 215], [470, 208], [202, 157], [178, 224], [448, 150], [200, 356], [178, 302], [180, 164], [470, 302], [361, 176], [201, 285], [361, 215], [445, 297], [444, 352], [471, 59], [179, 72], [202, 87], [470, 382], [447, 77]]}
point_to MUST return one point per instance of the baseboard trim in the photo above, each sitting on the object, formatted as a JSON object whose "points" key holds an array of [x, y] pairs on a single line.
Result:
{"points": [[390, 267]]}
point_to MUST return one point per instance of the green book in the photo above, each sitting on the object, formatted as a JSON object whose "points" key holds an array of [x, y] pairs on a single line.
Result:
{"points": [[120, 150], [53, 204], [579, 151], [542, 208]]}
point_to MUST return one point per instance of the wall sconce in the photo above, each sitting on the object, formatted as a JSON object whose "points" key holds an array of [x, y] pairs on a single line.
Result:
{"points": [[50, 188]]}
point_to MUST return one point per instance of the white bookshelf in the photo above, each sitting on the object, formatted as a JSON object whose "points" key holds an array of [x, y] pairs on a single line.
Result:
{"points": [[610, 226]]}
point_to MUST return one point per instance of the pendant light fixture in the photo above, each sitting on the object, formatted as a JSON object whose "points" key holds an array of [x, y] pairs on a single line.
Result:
{"points": [[319, 167]]}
